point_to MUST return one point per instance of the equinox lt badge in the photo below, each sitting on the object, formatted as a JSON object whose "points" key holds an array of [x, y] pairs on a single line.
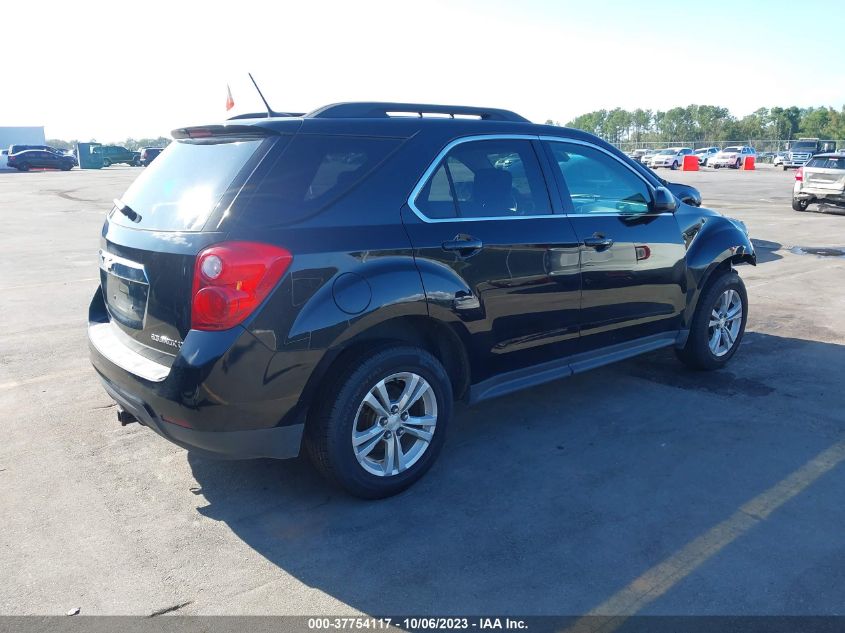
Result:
{"points": [[170, 342]]}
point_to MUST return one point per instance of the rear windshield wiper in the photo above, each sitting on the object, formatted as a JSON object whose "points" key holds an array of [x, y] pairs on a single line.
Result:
{"points": [[126, 210]]}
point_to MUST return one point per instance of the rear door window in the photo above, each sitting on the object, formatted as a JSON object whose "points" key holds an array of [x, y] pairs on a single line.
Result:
{"points": [[827, 162], [180, 190], [486, 179]]}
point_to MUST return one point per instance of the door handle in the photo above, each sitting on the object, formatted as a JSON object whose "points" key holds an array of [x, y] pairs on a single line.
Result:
{"points": [[598, 242], [464, 245]]}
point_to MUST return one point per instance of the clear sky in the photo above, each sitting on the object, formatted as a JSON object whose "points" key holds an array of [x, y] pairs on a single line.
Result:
{"points": [[108, 70]]}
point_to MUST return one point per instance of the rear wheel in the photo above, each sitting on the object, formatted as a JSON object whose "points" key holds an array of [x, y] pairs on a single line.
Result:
{"points": [[23, 167], [718, 324], [384, 423], [799, 204]]}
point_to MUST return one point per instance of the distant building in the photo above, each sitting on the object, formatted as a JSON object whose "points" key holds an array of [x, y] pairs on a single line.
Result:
{"points": [[33, 135]]}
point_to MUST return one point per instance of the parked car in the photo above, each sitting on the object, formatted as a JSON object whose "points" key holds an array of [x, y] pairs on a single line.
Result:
{"points": [[148, 155], [113, 154], [820, 180], [733, 156], [14, 149], [638, 154], [311, 299], [671, 157], [705, 154], [40, 159], [778, 158]]}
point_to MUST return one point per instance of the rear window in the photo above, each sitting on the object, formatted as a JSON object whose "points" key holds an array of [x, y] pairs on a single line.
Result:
{"points": [[311, 172], [827, 163], [180, 190]]}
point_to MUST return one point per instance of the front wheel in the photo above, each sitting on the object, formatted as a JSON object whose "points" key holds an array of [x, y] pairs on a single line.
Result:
{"points": [[718, 324], [799, 204], [674, 166], [106, 162], [384, 423]]}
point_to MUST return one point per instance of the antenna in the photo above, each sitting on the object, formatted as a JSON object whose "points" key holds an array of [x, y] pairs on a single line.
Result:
{"points": [[266, 105]]}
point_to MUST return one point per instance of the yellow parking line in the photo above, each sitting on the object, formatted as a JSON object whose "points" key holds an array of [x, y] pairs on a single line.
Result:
{"points": [[655, 582]]}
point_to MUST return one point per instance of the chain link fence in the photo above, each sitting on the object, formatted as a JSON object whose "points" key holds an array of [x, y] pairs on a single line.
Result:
{"points": [[763, 146]]}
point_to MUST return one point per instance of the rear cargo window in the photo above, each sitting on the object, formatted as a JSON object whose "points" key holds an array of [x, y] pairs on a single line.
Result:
{"points": [[311, 172], [179, 191], [828, 162]]}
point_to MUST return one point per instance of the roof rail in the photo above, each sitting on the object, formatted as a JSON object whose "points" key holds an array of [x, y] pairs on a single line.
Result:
{"points": [[265, 115], [381, 110]]}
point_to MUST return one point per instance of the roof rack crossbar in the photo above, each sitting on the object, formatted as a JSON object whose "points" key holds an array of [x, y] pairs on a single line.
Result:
{"points": [[382, 110]]}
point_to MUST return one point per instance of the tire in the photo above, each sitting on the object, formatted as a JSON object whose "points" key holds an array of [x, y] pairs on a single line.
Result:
{"points": [[799, 204], [674, 166], [106, 162], [737, 164], [23, 167], [785, 167], [699, 353], [330, 426], [717, 166]]}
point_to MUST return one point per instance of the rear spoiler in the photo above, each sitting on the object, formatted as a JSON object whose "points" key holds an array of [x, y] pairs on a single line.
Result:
{"points": [[218, 131]]}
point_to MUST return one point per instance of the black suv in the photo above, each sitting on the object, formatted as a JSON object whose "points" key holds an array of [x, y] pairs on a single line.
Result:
{"points": [[338, 279]]}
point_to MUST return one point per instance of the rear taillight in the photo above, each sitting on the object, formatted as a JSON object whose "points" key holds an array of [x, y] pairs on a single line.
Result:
{"points": [[799, 175], [231, 279]]}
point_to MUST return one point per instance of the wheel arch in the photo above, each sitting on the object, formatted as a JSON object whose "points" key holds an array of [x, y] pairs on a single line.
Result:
{"points": [[718, 246], [441, 340]]}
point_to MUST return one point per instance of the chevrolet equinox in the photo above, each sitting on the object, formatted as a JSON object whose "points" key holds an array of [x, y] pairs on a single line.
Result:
{"points": [[336, 280]]}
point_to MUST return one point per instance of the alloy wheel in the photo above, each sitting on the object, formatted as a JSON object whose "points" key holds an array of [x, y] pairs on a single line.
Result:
{"points": [[394, 424], [725, 322]]}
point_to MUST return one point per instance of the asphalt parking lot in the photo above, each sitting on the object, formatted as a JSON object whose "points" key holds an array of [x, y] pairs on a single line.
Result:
{"points": [[638, 488]]}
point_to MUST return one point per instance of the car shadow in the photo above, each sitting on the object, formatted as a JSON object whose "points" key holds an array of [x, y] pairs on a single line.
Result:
{"points": [[551, 500], [766, 251]]}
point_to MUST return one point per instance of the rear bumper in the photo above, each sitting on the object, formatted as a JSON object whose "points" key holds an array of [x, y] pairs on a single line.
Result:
{"points": [[279, 442], [819, 195], [225, 393]]}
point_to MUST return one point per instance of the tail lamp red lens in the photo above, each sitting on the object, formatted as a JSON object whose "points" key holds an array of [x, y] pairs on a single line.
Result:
{"points": [[799, 175], [231, 280]]}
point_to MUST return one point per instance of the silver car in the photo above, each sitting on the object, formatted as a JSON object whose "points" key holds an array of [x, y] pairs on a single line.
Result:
{"points": [[705, 154], [820, 180]]}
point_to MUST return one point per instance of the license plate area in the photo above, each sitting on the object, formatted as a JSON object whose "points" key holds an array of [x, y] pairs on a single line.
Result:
{"points": [[125, 288]]}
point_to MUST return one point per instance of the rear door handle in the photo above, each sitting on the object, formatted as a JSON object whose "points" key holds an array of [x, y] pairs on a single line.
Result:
{"points": [[464, 245], [598, 242]]}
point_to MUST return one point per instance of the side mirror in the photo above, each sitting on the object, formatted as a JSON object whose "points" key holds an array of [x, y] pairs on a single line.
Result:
{"points": [[663, 200]]}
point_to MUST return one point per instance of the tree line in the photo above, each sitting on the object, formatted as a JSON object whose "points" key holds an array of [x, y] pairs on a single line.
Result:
{"points": [[131, 144], [708, 123]]}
